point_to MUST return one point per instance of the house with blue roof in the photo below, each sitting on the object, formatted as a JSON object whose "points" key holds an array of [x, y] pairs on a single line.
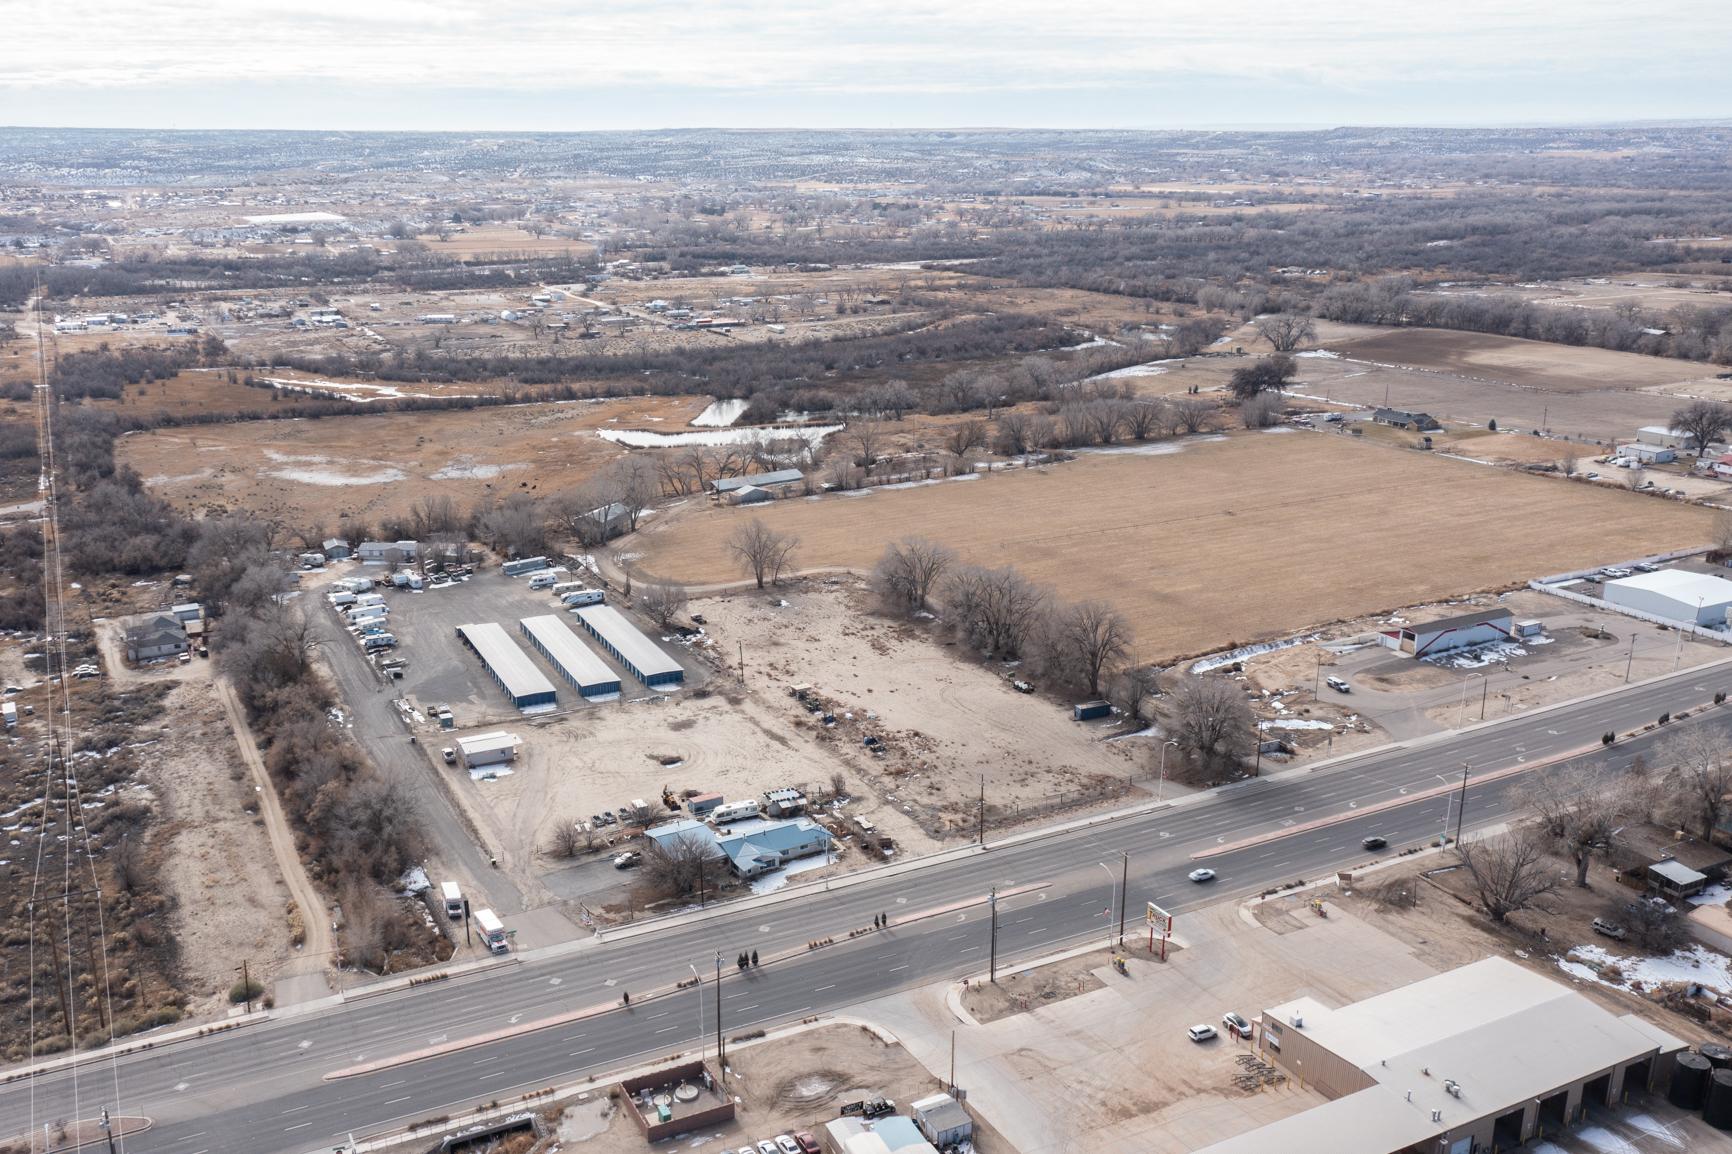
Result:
{"points": [[669, 834], [773, 845]]}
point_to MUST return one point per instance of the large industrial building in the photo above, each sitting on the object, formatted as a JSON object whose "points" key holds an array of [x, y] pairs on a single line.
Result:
{"points": [[588, 674], [1675, 594], [510, 666], [1482, 1057], [1433, 637], [643, 657]]}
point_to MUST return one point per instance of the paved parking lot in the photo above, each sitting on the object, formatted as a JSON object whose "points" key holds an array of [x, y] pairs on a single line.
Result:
{"points": [[443, 671]]}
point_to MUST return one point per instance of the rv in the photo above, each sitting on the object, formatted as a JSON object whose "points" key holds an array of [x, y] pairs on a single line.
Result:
{"points": [[523, 565], [583, 597], [734, 811], [543, 581], [564, 587]]}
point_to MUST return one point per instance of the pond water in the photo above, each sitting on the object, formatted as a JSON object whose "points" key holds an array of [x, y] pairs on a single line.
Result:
{"points": [[644, 439]]}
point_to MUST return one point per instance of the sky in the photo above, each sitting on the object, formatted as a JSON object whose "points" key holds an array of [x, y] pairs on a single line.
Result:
{"points": [[575, 65]]}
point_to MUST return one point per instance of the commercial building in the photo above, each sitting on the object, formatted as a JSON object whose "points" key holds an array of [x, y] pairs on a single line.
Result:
{"points": [[496, 748], [510, 666], [1674, 594], [1647, 454], [630, 647], [774, 845], [158, 635], [1670, 438], [588, 674], [1488, 1055], [1446, 633], [942, 1120]]}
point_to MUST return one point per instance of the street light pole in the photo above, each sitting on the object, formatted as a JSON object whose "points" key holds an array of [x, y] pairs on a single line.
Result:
{"points": [[1161, 788], [721, 1050], [1461, 810], [1124, 893], [992, 907], [698, 978], [1112, 900]]}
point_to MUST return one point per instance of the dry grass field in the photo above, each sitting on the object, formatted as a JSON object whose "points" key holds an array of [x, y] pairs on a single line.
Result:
{"points": [[1227, 541], [1528, 364], [311, 472]]}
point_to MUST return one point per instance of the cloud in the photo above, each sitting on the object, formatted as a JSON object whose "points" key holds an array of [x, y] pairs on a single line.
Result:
{"points": [[793, 48]]}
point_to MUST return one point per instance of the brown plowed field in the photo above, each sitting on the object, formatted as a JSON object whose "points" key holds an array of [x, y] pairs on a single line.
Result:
{"points": [[1228, 541]]}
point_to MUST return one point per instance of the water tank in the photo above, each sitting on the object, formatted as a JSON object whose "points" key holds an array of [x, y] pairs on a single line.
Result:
{"points": [[1720, 1056], [1689, 1081], [1718, 1111]]}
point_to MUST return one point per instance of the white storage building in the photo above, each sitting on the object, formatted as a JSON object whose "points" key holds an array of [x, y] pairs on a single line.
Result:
{"points": [[588, 674], [496, 748], [630, 647], [1675, 594], [509, 665]]}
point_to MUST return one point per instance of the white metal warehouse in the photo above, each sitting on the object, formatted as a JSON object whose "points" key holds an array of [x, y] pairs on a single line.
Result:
{"points": [[588, 674], [496, 748], [629, 647], [1675, 594], [509, 665]]}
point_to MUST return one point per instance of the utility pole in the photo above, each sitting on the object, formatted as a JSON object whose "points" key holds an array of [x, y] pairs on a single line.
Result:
{"points": [[980, 824], [1461, 810], [992, 907], [1484, 690], [247, 985], [1631, 660], [742, 663], [467, 940], [107, 1130], [1317, 676]]}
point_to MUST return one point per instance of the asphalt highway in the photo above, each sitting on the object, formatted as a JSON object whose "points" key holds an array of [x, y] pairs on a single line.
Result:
{"points": [[265, 1088]]}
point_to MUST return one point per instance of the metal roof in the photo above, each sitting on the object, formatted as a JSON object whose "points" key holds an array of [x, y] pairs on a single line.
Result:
{"points": [[507, 660], [1677, 872], [1461, 621], [488, 742], [1680, 584], [779, 477], [644, 655], [568, 653]]}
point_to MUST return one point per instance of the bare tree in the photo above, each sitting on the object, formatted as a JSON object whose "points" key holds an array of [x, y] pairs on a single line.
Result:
{"points": [[1267, 375], [1261, 411], [1509, 872], [1578, 809], [1286, 331], [761, 551], [662, 603], [1723, 530], [866, 436], [1193, 414], [567, 840], [1569, 461], [1634, 476], [1212, 721], [995, 610], [631, 482], [677, 866], [1145, 419], [964, 436], [909, 571], [1700, 777], [1131, 688], [588, 513], [1012, 438], [1084, 639], [1705, 421]]}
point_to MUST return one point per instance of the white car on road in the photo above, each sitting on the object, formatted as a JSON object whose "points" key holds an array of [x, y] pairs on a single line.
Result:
{"points": [[1202, 875]]}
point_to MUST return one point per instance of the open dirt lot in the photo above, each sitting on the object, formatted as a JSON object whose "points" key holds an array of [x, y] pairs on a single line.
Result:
{"points": [[313, 472], [229, 901], [1477, 377], [1222, 542]]}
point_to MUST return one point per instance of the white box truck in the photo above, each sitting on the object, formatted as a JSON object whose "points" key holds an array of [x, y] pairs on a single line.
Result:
{"points": [[453, 899], [492, 931], [9, 712], [734, 811]]}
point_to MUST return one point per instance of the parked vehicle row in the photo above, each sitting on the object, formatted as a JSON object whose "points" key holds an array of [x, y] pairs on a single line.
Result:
{"points": [[799, 1142]]}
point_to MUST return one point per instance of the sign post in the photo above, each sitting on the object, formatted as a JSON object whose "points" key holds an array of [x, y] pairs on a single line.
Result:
{"points": [[1159, 919]]}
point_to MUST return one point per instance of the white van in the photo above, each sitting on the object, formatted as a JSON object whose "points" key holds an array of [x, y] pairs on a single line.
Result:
{"points": [[544, 580], [453, 899]]}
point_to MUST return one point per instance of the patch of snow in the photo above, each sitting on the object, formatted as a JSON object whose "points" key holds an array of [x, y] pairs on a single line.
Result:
{"points": [[1150, 369], [1478, 656], [1603, 1139], [1715, 895], [1222, 660], [491, 772], [1696, 963], [644, 439], [1281, 429], [1295, 723], [771, 882], [1319, 354], [332, 478], [465, 469], [414, 882], [721, 414]]}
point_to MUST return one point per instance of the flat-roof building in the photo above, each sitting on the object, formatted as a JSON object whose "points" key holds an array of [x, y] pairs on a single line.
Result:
{"points": [[496, 748], [588, 674], [1433, 637], [509, 665], [1481, 1056], [623, 640], [774, 480], [1674, 594]]}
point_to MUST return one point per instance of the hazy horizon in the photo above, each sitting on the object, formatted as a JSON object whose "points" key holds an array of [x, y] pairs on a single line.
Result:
{"points": [[463, 65]]}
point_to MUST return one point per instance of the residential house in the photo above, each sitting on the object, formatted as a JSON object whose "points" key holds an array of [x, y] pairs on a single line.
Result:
{"points": [[773, 845], [156, 636]]}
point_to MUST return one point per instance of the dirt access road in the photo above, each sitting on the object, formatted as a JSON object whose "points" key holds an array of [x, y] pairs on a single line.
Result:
{"points": [[320, 948]]}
